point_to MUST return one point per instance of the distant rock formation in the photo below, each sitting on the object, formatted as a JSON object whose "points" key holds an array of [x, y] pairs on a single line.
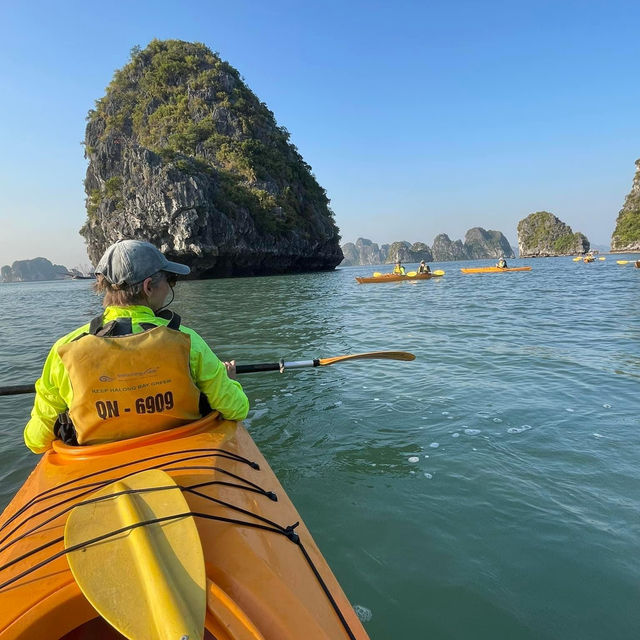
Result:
{"points": [[478, 244], [626, 236], [183, 154], [34, 270], [363, 252], [541, 234], [444, 249]]}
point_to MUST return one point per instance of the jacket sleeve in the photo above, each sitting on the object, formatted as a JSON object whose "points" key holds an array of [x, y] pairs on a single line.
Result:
{"points": [[210, 374], [38, 434]]}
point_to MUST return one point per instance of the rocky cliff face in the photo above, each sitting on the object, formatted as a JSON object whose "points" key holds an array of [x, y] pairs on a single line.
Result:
{"points": [[541, 234], [486, 244], [626, 236], [363, 252], [182, 154], [444, 249], [34, 270]]}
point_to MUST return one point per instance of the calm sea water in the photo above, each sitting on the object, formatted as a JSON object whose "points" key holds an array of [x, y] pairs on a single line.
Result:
{"points": [[489, 489]]}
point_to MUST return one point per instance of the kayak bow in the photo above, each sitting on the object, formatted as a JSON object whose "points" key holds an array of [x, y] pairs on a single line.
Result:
{"points": [[265, 577]]}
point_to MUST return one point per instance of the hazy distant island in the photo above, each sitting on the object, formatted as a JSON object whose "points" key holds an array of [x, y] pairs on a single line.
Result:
{"points": [[541, 234], [37, 269], [183, 154], [478, 243], [626, 236]]}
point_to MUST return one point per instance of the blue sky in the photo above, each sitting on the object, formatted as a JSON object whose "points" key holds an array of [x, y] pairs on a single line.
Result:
{"points": [[418, 118]]}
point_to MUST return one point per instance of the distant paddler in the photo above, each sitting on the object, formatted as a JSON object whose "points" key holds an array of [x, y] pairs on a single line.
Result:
{"points": [[398, 269], [423, 267], [502, 263]]}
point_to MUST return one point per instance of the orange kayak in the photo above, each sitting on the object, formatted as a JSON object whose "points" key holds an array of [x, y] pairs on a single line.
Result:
{"points": [[265, 577], [392, 277], [494, 269]]}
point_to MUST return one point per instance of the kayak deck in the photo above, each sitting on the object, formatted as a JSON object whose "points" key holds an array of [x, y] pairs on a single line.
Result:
{"points": [[392, 277], [493, 269], [260, 564]]}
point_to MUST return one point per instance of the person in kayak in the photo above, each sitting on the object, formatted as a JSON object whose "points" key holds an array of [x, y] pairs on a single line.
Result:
{"points": [[502, 263], [398, 270], [134, 369], [423, 267]]}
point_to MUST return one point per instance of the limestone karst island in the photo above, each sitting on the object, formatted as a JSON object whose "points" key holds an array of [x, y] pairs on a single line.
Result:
{"points": [[183, 154]]}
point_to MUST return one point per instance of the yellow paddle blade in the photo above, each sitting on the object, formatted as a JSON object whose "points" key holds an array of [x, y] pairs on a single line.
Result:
{"points": [[149, 581], [412, 274], [384, 355], [438, 272], [376, 274], [622, 261], [577, 259], [601, 258]]}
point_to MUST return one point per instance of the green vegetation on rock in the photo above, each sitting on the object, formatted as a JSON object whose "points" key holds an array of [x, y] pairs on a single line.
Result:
{"points": [[542, 234], [182, 102], [626, 236]]}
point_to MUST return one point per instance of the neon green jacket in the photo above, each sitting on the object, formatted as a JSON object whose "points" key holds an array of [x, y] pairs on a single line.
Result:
{"points": [[54, 392]]}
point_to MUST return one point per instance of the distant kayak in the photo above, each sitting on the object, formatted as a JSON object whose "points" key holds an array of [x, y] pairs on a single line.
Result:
{"points": [[393, 277], [494, 269]]}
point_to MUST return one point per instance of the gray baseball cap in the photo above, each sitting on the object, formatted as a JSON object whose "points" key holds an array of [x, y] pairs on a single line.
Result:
{"points": [[131, 261]]}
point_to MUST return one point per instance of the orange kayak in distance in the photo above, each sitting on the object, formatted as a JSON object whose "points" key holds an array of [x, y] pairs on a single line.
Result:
{"points": [[265, 577], [392, 277], [494, 269]]}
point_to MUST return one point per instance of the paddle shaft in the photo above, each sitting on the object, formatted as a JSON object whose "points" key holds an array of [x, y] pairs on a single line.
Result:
{"points": [[264, 366]]}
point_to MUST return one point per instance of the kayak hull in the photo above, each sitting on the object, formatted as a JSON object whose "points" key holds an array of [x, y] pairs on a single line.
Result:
{"points": [[391, 277], [494, 269], [261, 583]]}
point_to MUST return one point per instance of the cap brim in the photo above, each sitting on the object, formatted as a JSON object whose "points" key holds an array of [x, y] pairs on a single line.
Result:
{"points": [[176, 267]]}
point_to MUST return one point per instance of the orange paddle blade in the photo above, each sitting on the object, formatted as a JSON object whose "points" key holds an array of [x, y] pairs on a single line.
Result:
{"points": [[383, 355]]}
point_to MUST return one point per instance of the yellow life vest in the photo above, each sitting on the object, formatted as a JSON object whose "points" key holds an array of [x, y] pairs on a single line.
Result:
{"points": [[130, 385]]}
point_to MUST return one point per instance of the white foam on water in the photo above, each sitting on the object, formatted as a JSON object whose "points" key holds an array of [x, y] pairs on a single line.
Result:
{"points": [[607, 406], [413, 459], [497, 420], [412, 472], [426, 456], [434, 445], [363, 613], [472, 432], [445, 413], [455, 435], [524, 427], [376, 399], [474, 449], [570, 410], [598, 435], [288, 394], [428, 476]]}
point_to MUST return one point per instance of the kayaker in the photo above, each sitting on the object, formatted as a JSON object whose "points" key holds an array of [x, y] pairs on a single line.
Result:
{"points": [[398, 270], [423, 267], [502, 263], [130, 372]]}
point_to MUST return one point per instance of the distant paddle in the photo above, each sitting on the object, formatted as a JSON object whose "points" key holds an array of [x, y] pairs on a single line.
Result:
{"points": [[269, 366]]}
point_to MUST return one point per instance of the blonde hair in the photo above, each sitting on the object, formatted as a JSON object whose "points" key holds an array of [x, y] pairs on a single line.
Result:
{"points": [[124, 295]]}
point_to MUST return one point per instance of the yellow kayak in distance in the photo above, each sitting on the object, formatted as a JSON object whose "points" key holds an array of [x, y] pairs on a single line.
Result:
{"points": [[494, 269]]}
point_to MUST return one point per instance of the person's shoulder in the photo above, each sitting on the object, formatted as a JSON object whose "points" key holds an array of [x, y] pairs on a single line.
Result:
{"points": [[72, 335]]}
